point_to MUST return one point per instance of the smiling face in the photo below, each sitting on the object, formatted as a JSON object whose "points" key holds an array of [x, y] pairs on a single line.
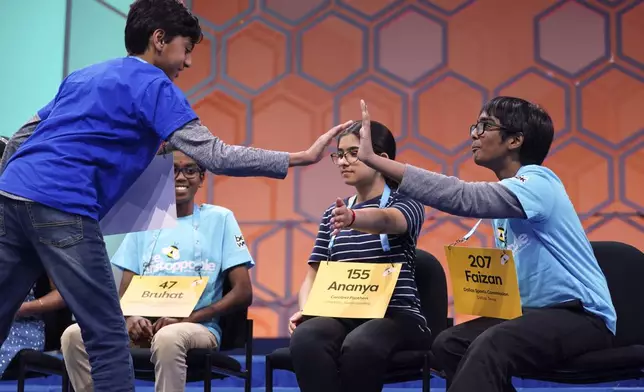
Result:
{"points": [[173, 56], [188, 178], [353, 172]]}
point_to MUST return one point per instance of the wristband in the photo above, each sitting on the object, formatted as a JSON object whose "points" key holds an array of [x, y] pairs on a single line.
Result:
{"points": [[353, 217]]}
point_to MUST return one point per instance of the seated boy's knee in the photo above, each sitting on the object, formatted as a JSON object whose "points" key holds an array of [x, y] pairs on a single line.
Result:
{"points": [[491, 340], [167, 336], [71, 337]]}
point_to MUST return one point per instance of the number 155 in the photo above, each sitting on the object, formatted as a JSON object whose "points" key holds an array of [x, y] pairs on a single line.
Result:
{"points": [[358, 274]]}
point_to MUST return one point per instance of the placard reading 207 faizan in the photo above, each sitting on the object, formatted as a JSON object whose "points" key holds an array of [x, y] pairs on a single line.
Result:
{"points": [[484, 282], [352, 290], [162, 296]]}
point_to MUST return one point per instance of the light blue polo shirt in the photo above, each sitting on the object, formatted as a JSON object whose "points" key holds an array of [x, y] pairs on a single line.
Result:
{"points": [[555, 261], [221, 244]]}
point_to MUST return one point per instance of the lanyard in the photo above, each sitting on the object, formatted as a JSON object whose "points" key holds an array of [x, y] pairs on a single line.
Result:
{"points": [[384, 198], [196, 220], [468, 235]]}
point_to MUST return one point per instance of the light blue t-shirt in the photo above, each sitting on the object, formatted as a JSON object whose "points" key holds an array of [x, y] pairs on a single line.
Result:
{"points": [[554, 258], [214, 247]]}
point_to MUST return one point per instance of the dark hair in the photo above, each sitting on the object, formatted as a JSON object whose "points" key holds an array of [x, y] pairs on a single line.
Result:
{"points": [[529, 119], [382, 141], [171, 16]]}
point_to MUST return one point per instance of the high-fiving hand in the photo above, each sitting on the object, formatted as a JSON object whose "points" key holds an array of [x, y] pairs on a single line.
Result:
{"points": [[315, 153], [342, 217], [365, 149]]}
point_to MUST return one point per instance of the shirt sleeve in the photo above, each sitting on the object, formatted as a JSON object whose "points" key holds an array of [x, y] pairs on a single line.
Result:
{"points": [[164, 108], [488, 200], [196, 141], [414, 214], [321, 247], [234, 250], [128, 255], [535, 193]]}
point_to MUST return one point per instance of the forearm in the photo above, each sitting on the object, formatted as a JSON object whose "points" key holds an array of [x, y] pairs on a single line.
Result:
{"points": [[237, 298], [387, 167], [307, 284], [52, 301], [486, 200], [196, 141], [303, 295], [17, 139], [374, 221]]}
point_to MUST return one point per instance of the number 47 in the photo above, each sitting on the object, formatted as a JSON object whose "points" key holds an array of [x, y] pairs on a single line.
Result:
{"points": [[168, 285]]}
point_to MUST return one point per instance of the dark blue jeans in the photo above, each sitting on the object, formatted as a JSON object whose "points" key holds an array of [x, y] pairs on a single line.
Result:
{"points": [[70, 248]]}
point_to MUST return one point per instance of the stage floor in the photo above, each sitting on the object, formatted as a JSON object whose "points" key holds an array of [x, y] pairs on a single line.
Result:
{"points": [[285, 382]]}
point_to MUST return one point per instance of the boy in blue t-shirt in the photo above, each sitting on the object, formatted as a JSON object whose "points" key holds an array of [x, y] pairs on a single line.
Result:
{"points": [[66, 168], [568, 309], [206, 242]]}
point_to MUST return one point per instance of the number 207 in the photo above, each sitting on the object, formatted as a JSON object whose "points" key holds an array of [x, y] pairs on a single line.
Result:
{"points": [[479, 261]]}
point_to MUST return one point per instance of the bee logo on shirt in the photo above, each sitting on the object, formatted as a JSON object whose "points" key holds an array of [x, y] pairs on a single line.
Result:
{"points": [[171, 252], [500, 235], [241, 242]]}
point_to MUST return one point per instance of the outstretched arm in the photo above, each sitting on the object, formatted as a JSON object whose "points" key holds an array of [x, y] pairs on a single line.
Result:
{"points": [[196, 141], [396, 219], [448, 194], [165, 109]]}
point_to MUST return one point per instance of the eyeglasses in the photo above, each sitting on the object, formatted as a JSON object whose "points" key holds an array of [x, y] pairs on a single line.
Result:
{"points": [[488, 125], [189, 172], [350, 156]]}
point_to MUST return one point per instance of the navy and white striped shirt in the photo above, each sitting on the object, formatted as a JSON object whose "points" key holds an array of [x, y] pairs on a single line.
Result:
{"points": [[356, 246]]}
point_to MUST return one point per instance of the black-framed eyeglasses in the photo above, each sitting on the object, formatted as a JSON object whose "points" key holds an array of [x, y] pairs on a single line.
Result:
{"points": [[189, 172], [484, 125], [350, 156]]}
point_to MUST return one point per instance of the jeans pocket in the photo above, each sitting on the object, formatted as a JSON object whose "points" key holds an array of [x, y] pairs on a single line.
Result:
{"points": [[3, 231], [54, 227]]}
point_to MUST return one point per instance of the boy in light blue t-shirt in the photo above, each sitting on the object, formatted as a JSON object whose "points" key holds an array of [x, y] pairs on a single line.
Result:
{"points": [[207, 242], [567, 306]]}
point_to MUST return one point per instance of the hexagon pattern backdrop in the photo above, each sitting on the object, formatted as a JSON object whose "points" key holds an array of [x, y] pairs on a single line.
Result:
{"points": [[277, 73]]}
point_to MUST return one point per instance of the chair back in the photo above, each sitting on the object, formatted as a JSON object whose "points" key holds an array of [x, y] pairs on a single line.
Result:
{"points": [[623, 266], [432, 288], [233, 325], [55, 322], [3, 145]]}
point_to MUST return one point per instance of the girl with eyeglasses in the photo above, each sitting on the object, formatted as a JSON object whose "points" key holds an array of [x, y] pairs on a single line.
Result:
{"points": [[343, 354]]}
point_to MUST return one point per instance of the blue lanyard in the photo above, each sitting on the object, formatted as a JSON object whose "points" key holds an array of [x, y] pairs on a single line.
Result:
{"points": [[384, 198], [196, 220]]}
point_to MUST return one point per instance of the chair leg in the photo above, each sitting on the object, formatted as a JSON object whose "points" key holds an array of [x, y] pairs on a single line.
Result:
{"points": [[65, 386], [22, 374], [427, 375], [207, 376], [269, 375]]}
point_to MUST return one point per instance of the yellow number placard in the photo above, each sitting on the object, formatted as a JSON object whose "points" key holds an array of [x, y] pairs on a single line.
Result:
{"points": [[484, 282], [162, 296], [352, 290]]}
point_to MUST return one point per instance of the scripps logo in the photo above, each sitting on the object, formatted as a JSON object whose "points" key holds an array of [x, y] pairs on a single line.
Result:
{"points": [[158, 265], [519, 243]]}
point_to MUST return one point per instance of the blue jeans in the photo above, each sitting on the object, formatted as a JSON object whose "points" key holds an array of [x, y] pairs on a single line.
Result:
{"points": [[70, 248]]}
